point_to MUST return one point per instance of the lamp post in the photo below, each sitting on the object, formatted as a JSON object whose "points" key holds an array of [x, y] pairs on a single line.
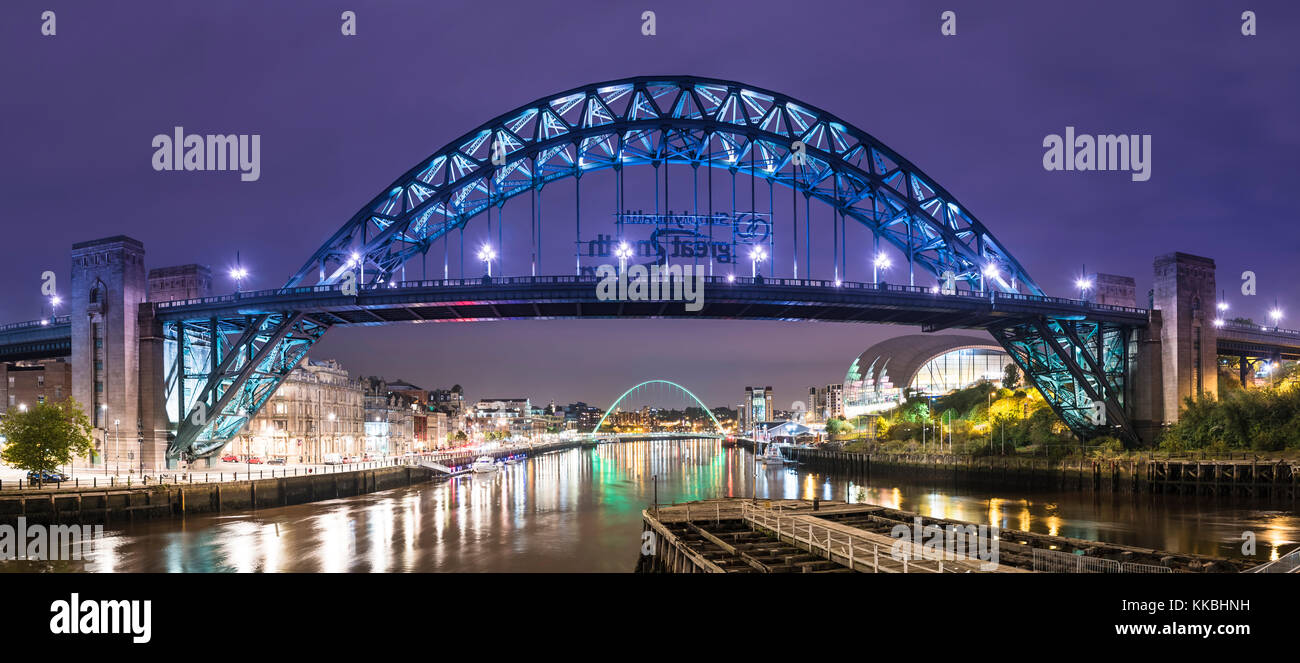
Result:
{"points": [[990, 272], [881, 262], [55, 300], [1083, 285], [117, 446], [486, 254], [1275, 314], [623, 252], [756, 256]]}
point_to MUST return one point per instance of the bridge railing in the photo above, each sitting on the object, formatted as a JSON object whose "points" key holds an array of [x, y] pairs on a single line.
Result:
{"points": [[43, 322], [1259, 329], [715, 281]]}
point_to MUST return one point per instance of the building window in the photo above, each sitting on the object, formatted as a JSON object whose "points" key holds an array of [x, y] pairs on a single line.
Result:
{"points": [[99, 365], [40, 399], [99, 387], [58, 392], [99, 343], [40, 380]]}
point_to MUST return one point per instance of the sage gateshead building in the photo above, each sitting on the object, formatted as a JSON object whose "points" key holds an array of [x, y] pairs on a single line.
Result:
{"points": [[920, 364]]}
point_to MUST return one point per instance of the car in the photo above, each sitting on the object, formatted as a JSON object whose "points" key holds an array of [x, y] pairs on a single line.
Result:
{"points": [[275, 461], [48, 476], [230, 458], [253, 460], [333, 459]]}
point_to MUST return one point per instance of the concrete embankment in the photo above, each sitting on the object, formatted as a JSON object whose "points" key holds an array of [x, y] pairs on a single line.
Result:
{"points": [[1263, 479], [178, 495], [121, 504]]}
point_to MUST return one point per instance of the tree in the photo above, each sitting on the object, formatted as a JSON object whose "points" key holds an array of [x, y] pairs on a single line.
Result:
{"points": [[1010, 377], [45, 436]]}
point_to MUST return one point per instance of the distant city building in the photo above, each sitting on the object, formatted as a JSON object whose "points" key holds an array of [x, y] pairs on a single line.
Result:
{"points": [[825, 403], [318, 410], [30, 382], [756, 407], [507, 416], [390, 417]]}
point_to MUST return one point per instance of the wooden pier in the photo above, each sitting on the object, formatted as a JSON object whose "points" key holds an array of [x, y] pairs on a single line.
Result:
{"points": [[737, 535]]}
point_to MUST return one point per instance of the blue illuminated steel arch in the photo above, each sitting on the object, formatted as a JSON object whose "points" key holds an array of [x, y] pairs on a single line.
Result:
{"points": [[221, 371], [684, 390], [676, 119]]}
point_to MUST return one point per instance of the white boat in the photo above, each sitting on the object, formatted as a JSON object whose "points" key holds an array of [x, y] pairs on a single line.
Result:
{"points": [[771, 456], [484, 464]]}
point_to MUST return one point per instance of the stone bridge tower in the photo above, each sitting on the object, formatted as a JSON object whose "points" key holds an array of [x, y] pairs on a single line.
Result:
{"points": [[108, 286], [1184, 293]]}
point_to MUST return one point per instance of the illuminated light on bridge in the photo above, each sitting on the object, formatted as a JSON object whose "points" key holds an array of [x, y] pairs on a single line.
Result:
{"points": [[881, 262], [756, 256], [487, 255]]}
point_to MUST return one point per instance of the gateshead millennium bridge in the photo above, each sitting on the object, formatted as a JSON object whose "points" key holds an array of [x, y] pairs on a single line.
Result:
{"points": [[196, 368]]}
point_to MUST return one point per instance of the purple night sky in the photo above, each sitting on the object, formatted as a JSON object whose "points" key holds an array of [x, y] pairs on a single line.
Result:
{"points": [[342, 117]]}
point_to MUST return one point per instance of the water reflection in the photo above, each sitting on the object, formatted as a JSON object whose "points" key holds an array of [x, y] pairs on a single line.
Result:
{"points": [[579, 510]]}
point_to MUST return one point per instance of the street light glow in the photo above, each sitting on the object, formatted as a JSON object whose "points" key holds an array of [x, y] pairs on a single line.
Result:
{"points": [[882, 260], [1083, 284], [990, 270], [1223, 306], [623, 251], [487, 254], [1276, 314], [1218, 322]]}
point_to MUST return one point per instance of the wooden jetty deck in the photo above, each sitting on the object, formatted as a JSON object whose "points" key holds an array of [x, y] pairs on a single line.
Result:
{"points": [[736, 535]]}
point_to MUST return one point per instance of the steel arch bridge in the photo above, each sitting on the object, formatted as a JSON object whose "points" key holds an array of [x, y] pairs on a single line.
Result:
{"points": [[716, 424], [222, 363]]}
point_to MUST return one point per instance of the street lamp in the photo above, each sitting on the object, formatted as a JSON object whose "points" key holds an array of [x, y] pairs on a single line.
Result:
{"points": [[881, 262], [117, 445], [55, 300], [756, 256], [1276, 315], [990, 272], [239, 274], [1084, 285], [623, 252], [486, 254]]}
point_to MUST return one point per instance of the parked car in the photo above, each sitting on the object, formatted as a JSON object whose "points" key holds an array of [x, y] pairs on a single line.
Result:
{"points": [[254, 460], [230, 458], [333, 459], [275, 461], [48, 476]]}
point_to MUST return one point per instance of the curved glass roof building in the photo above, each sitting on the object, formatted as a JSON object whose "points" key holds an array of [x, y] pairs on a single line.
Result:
{"points": [[926, 364]]}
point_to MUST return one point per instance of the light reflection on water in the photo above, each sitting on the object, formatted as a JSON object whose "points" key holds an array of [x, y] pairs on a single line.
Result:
{"points": [[579, 511]]}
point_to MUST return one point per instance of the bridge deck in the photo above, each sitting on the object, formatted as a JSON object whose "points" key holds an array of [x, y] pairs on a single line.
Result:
{"points": [[551, 297]]}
